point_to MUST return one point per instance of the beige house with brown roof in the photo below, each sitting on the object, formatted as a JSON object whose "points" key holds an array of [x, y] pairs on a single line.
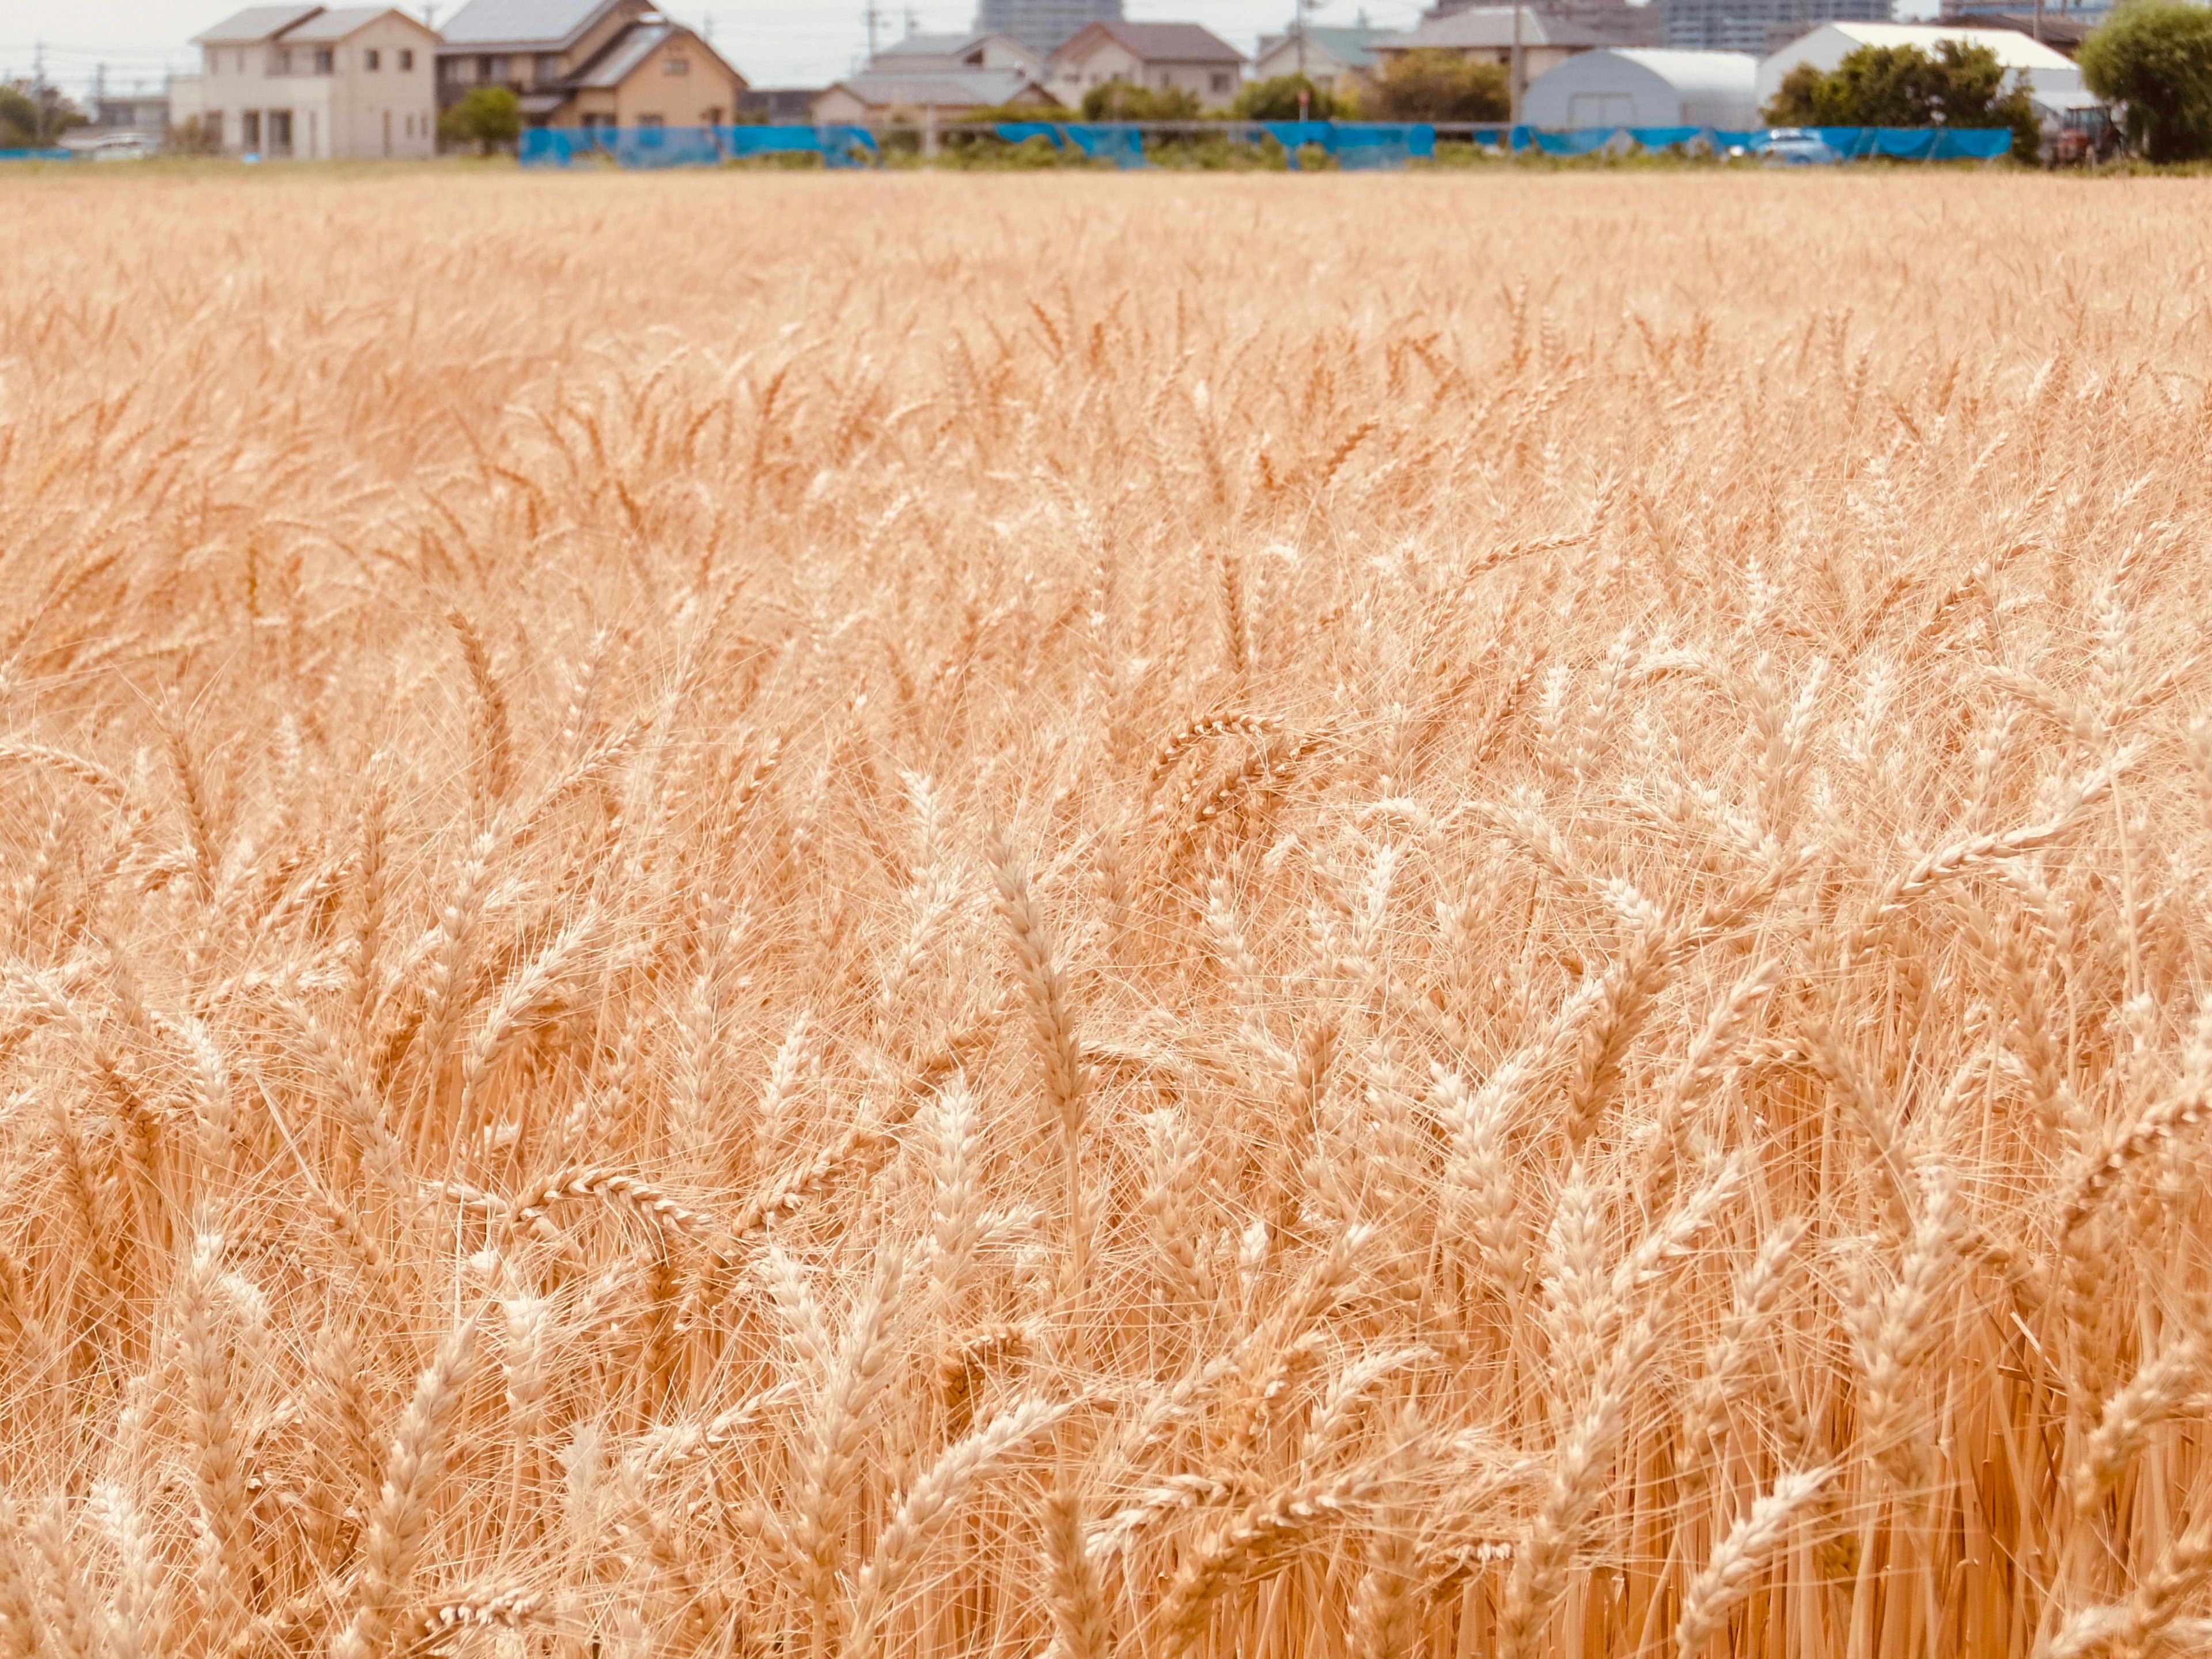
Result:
{"points": [[588, 64], [1159, 56], [319, 84]]}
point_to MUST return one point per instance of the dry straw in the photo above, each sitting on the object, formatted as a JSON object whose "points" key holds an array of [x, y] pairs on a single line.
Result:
{"points": [[1104, 916]]}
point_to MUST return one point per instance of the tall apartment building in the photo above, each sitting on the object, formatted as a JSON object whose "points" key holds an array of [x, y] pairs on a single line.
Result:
{"points": [[1758, 26], [1044, 26]]}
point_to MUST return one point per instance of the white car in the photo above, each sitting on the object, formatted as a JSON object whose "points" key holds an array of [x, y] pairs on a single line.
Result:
{"points": [[121, 147], [1794, 147]]}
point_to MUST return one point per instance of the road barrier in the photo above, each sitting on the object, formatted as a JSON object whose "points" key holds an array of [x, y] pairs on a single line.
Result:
{"points": [[1351, 145]]}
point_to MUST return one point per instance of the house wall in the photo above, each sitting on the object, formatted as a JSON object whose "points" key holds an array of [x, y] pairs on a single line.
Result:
{"points": [[337, 115], [1109, 61], [839, 105], [703, 93], [387, 111], [1323, 68]]}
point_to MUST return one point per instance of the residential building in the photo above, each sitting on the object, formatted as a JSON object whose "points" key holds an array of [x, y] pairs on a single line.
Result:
{"points": [[778, 105], [930, 99], [1327, 57], [1158, 57], [1760, 26], [342, 83], [588, 64], [143, 113], [2043, 70], [1484, 34], [955, 54], [1044, 26], [1641, 86]]}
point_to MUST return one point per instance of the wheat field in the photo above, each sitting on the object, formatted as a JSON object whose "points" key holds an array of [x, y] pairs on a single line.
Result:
{"points": [[999, 917]]}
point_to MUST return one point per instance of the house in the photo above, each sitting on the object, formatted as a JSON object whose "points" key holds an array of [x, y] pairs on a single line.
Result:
{"points": [[1044, 26], [1158, 57], [955, 54], [342, 83], [1484, 34], [1641, 86], [1330, 56], [778, 105], [145, 114], [1825, 48], [588, 64], [930, 99]]}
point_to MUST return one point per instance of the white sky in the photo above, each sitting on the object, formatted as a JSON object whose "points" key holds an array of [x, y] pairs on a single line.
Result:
{"points": [[773, 42]]}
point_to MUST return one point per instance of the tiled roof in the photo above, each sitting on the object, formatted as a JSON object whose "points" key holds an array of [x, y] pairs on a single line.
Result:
{"points": [[521, 22], [255, 24], [972, 89], [335, 24], [1165, 43]]}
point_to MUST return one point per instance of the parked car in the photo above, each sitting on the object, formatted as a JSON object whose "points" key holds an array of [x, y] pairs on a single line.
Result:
{"points": [[122, 147], [1794, 147]]}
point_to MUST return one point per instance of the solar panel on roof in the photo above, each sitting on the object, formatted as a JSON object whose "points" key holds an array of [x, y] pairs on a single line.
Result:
{"points": [[486, 21]]}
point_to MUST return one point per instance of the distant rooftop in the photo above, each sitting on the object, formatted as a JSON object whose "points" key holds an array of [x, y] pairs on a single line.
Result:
{"points": [[255, 24], [513, 23], [1167, 43]]}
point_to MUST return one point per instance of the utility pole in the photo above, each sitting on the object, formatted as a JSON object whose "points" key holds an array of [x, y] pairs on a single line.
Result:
{"points": [[1299, 24], [875, 16], [1515, 110]]}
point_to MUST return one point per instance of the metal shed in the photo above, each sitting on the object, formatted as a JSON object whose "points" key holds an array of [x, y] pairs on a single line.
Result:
{"points": [[1639, 87]]}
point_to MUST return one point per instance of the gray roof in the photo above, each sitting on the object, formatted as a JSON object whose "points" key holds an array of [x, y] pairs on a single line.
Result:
{"points": [[255, 24], [1349, 46], [969, 89], [1165, 43], [521, 22], [1492, 26], [622, 54], [338, 23], [930, 46]]}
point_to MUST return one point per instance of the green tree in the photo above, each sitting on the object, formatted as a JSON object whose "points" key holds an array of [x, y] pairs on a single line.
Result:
{"points": [[1118, 101], [487, 117], [1958, 85], [1431, 84], [29, 122], [2153, 59], [1277, 99]]}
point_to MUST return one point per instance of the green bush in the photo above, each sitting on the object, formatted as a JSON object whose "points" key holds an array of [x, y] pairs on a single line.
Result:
{"points": [[1118, 101], [2153, 59], [1958, 86], [490, 118], [1433, 84], [1277, 99], [28, 123]]}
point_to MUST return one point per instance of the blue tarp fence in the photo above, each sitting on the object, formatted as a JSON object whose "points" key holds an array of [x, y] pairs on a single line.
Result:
{"points": [[688, 146], [1352, 144], [1903, 143], [37, 154]]}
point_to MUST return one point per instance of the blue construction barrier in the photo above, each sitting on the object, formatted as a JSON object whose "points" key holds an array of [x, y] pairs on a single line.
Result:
{"points": [[681, 146], [38, 154], [1351, 144]]}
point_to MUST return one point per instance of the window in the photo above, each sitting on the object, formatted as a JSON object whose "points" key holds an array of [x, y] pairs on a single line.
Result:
{"points": [[406, 60], [372, 60], [325, 62], [548, 67], [498, 70], [451, 68], [675, 66], [249, 131], [1220, 82], [710, 118], [211, 124]]}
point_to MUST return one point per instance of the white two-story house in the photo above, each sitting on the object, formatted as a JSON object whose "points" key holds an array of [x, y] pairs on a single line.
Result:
{"points": [[319, 84]]}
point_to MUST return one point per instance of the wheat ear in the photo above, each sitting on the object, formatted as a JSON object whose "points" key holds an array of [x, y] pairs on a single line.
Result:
{"points": [[1738, 1559]]}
